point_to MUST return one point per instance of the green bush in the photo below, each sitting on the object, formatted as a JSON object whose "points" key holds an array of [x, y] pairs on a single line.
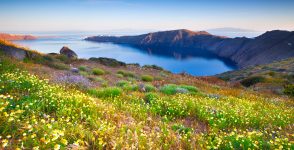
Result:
{"points": [[106, 92], [126, 73], [119, 75], [289, 89], [122, 83], [132, 87], [252, 80], [150, 98], [181, 129], [83, 68], [149, 88], [60, 66], [147, 78], [171, 89], [84, 73], [98, 71]]}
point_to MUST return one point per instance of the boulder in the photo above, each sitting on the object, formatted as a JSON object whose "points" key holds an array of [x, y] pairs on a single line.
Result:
{"points": [[74, 70], [68, 52]]}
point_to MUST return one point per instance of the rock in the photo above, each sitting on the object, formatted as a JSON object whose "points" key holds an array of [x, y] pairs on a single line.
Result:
{"points": [[74, 70], [68, 52], [182, 90], [108, 61], [13, 51], [142, 87]]}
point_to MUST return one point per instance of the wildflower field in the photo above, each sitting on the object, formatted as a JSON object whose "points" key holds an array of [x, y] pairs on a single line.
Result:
{"points": [[38, 114]]}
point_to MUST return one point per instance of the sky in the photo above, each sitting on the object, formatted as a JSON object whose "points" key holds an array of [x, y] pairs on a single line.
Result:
{"points": [[136, 15]]}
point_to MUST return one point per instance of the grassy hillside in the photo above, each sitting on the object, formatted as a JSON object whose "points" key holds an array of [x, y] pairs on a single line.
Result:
{"points": [[276, 77], [87, 105]]}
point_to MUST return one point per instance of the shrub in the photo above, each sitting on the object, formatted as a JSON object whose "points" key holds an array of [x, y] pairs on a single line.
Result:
{"points": [[84, 73], [147, 78], [129, 87], [181, 128], [153, 67], [149, 88], [126, 73], [62, 58], [122, 83], [252, 80], [150, 97], [289, 89], [98, 71], [171, 89], [60, 66], [83, 68], [106, 92], [119, 75]]}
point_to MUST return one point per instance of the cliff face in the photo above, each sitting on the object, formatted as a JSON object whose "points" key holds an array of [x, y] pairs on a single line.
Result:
{"points": [[11, 37], [266, 48]]}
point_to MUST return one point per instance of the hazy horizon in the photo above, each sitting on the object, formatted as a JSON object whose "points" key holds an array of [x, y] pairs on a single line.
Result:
{"points": [[144, 16]]}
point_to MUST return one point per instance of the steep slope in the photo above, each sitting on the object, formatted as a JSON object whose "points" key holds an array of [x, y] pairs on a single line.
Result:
{"points": [[266, 48]]}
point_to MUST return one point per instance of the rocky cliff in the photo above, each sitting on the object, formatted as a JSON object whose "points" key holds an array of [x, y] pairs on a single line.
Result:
{"points": [[266, 48], [11, 37]]}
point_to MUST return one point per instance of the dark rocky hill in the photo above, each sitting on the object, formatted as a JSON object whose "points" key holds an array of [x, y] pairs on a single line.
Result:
{"points": [[266, 48]]}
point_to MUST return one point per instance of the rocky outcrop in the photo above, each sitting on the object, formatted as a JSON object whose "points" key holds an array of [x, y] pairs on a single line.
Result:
{"points": [[266, 48], [68, 53], [11, 37], [108, 61], [12, 50]]}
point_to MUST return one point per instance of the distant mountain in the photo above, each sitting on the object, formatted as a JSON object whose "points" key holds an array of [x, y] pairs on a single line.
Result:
{"points": [[11, 37], [266, 48]]}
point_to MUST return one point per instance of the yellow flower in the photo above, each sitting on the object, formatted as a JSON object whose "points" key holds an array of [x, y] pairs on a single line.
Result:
{"points": [[36, 148], [64, 141], [49, 126], [56, 147], [4, 143], [33, 135]]}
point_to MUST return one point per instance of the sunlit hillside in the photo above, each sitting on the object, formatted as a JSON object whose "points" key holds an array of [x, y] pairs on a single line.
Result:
{"points": [[105, 104]]}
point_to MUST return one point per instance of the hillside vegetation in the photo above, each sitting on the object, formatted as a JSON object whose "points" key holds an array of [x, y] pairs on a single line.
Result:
{"points": [[276, 77], [89, 105]]}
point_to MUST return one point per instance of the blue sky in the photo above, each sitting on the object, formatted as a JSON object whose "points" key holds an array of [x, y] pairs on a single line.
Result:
{"points": [[99, 15]]}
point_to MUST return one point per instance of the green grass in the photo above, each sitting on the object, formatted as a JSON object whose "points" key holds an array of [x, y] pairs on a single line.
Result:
{"points": [[106, 92], [98, 71], [172, 89], [35, 113]]}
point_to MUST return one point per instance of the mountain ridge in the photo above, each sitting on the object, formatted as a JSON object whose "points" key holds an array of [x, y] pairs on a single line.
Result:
{"points": [[11, 37], [268, 47]]}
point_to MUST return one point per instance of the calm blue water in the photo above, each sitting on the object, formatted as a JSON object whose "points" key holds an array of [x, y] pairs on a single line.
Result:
{"points": [[195, 65]]}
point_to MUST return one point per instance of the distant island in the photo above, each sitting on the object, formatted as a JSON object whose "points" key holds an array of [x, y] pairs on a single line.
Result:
{"points": [[11, 37], [269, 47]]}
